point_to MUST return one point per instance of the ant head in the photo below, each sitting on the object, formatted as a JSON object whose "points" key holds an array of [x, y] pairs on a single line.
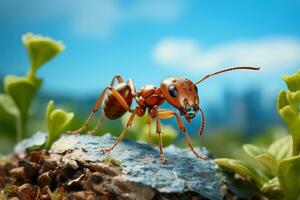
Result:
{"points": [[182, 94]]}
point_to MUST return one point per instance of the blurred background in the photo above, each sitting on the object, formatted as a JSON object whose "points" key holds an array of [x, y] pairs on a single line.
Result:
{"points": [[149, 40]]}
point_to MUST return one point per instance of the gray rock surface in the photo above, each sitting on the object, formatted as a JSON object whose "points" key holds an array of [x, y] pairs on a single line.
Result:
{"points": [[140, 163]]}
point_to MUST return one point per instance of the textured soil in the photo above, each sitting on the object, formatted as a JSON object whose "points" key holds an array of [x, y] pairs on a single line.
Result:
{"points": [[37, 176]]}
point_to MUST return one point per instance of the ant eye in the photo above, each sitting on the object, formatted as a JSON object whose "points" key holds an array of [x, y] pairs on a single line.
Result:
{"points": [[173, 91], [196, 89]]}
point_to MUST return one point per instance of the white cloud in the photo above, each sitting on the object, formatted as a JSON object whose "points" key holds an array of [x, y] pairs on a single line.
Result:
{"points": [[270, 54], [95, 18]]}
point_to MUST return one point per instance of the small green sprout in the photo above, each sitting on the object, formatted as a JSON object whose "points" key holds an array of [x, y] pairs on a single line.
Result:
{"points": [[276, 169], [22, 90], [112, 161], [57, 120]]}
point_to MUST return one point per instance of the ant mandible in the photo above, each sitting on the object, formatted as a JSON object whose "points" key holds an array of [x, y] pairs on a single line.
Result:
{"points": [[179, 92]]}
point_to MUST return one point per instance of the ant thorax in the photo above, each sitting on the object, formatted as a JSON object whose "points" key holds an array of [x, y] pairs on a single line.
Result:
{"points": [[149, 96]]}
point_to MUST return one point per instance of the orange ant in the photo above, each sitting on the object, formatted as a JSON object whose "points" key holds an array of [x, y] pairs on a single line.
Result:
{"points": [[179, 92]]}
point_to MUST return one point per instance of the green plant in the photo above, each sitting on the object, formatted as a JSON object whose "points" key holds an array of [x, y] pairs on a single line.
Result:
{"points": [[139, 130], [19, 92], [57, 120], [112, 161], [275, 170]]}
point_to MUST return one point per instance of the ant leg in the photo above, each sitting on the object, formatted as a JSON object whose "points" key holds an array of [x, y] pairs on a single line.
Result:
{"points": [[95, 109], [94, 131], [105, 150], [96, 106], [164, 114], [163, 158], [118, 78], [121, 100], [149, 120]]}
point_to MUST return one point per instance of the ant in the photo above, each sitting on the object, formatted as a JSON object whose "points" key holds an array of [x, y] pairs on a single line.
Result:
{"points": [[179, 92]]}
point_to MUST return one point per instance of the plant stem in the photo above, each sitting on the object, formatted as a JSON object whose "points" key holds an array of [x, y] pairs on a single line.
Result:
{"points": [[21, 127]]}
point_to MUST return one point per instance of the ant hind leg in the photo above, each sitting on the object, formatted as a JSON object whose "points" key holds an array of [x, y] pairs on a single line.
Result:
{"points": [[99, 123], [163, 158], [89, 119]]}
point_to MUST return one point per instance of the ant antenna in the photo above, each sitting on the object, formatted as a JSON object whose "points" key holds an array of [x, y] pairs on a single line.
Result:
{"points": [[203, 123], [226, 70]]}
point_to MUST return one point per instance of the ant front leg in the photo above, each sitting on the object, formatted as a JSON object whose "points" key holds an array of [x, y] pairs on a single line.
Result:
{"points": [[163, 158], [164, 114], [149, 121], [105, 150]]}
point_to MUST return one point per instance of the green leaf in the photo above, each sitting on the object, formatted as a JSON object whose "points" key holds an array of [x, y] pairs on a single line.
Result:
{"points": [[288, 108], [40, 50], [269, 163], [253, 150], [289, 177], [49, 110], [294, 99], [292, 81], [266, 160], [57, 120], [281, 148], [8, 105], [9, 116], [282, 100], [271, 185], [22, 90], [242, 168]]}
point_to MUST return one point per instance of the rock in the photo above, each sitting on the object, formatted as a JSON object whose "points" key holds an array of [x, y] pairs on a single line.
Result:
{"points": [[140, 175]]}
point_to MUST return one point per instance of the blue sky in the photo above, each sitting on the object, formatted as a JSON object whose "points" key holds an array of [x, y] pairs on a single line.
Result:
{"points": [[150, 40]]}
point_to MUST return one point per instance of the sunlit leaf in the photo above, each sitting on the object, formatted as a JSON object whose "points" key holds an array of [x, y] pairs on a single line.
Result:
{"points": [[282, 100], [288, 108], [281, 148], [294, 99], [22, 90], [8, 105], [271, 185], [41, 49], [292, 81], [9, 116], [253, 150], [49, 110], [269, 163], [57, 120], [242, 168], [289, 177]]}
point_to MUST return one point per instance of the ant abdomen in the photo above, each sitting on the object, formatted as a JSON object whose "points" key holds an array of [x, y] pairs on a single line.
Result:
{"points": [[112, 107]]}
